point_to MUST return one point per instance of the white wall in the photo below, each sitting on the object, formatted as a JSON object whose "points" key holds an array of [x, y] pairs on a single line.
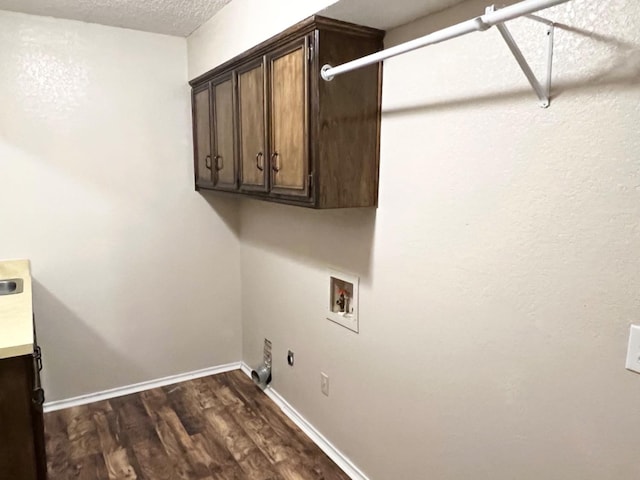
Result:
{"points": [[136, 275], [242, 24], [500, 272]]}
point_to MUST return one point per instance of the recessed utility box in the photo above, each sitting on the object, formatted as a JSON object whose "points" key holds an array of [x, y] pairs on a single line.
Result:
{"points": [[343, 299]]}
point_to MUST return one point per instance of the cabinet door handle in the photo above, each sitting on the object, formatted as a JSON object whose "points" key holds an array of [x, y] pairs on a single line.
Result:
{"points": [[38, 397], [207, 161], [259, 161], [274, 162], [219, 163]]}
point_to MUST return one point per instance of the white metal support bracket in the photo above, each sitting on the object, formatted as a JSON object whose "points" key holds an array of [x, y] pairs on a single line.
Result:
{"points": [[543, 91], [490, 18]]}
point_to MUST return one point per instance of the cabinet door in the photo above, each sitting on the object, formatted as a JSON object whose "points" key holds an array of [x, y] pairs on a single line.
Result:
{"points": [[288, 107], [224, 164], [201, 112], [252, 143]]}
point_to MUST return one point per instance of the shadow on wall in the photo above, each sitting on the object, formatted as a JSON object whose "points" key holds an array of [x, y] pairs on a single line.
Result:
{"points": [[621, 71], [341, 238], [227, 208], [70, 349]]}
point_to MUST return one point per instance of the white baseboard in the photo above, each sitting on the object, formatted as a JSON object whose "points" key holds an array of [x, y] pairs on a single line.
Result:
{"points": [[325, 445], [137, 387]]}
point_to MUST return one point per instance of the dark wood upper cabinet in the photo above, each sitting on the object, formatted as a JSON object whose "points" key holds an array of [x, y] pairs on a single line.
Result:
{"points": [[278, 132], [252, 133]]}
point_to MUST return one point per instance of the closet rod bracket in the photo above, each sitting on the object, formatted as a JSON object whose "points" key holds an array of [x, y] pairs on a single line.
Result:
{"points": [[543, 91], [323, 73]]}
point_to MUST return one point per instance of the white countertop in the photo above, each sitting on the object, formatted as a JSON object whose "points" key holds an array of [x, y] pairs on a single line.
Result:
{"points": [[16, 312]]}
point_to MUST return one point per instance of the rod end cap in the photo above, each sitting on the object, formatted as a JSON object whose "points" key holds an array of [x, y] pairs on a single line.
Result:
{"points": [[323, 72]]}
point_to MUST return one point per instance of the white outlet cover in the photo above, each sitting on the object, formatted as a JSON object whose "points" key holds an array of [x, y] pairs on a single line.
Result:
{"points": [[633, 350], [324, 383]]}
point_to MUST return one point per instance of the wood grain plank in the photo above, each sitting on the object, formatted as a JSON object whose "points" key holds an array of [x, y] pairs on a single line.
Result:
{"points": [[132, 418], [242, 448], [154, 461], [91, 467], [186, 406], [204, 392], [108, 443], [197, 458], [286, 430], [81, 431], [116, 458], [257, 428], [222, 464], [57, 442], [299, 453], [118, 465]]}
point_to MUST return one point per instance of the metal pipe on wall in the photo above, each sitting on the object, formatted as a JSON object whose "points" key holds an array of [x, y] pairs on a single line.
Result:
{"points": [[477, 24]]}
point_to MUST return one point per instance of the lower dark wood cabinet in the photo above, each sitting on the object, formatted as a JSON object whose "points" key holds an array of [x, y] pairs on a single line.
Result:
{"points": [[22, 447]]}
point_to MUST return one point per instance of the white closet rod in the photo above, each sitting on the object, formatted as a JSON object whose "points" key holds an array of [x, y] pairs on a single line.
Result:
{"points": [[477, 24]]}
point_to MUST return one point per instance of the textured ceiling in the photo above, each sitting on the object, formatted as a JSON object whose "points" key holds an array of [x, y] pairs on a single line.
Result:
{"points": [[385, 14], [171, 17], [182, 17]]}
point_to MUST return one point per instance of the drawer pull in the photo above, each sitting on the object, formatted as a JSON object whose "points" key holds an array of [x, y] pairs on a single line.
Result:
{"points": [[207, 161], [259, 161], [274, 162]]}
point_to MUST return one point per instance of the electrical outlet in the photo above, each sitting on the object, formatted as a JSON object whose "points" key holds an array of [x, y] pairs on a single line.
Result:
{"points": [[633, 350], [290, 358], [324, 383]]}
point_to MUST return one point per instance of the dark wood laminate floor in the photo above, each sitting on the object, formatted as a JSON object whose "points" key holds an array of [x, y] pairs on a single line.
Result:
{"points": [[218, 427]]}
